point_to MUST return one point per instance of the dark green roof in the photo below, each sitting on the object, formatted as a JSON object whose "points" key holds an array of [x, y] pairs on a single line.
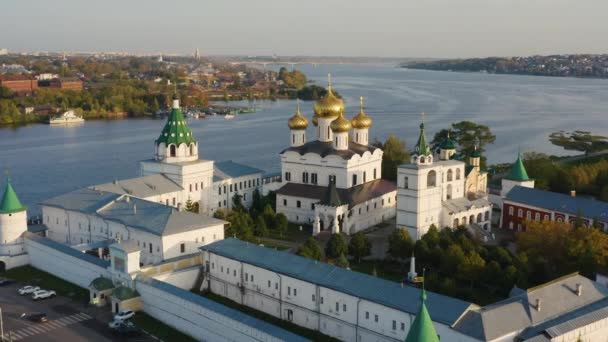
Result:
{"points": [[422, 330], [422, 147], [476, 154], [332, 198], [176, 130], [448, 143], [10, 202], [518, 171], [102, 283], [124, 293]]}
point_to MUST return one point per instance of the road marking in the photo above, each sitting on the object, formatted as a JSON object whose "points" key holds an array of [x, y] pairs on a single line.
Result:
{"points": [[50, 325], [54, 324], [37, 329], [17, 336], [84, 316], [62, 321]]}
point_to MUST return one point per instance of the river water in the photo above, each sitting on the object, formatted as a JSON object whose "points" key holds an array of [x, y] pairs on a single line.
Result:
{"points": [[522, 111]]}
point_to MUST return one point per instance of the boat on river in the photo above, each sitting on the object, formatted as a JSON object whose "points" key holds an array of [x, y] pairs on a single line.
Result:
{"points": [[66, 118]]}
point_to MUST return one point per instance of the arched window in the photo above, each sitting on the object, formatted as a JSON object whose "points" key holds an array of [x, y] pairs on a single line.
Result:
{"points": [[546, 217], [449, 192], [422, 160], [172, 150], [464, 221], [457, 174], [431, 178], [450, 175], [511, 210], [537, 217], [471, 219], [559, 219], [529, 214], [520, 213], [479, 217], [405, 183], [456, 222], [487, 215]]}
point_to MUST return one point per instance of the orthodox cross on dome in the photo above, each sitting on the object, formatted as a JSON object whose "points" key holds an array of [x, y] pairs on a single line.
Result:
{"points": [[361, 103], [329, 82]]}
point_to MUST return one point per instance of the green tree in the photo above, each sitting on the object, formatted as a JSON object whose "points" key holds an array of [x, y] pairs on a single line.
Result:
{"points": [[270, 217], [311, 249], [281, 223], [336, 246], [5, 93], [400, 244], [342, 261], [237, 202], [256, 201], [241, 225], [394, 155], [359, 246], [220, 214], [260, 227], [189, 206], [469, 135]]}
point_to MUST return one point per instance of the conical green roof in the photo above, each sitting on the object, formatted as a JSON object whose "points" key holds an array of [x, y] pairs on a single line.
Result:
{"points": [[10, 202], [176, 130], [422, 147], [518, 171], [422, 330]]}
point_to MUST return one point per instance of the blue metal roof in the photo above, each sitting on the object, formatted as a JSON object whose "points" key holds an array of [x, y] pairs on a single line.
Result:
{"points": [[66, 249], [236, 315], [391, 294], [559, 202], [229, 169]]}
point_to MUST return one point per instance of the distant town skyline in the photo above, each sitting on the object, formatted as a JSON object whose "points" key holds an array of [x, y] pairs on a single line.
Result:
{"points": [[384, 28]]}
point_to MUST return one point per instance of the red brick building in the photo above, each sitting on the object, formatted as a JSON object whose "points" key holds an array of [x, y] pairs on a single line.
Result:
{"points": [[69, 83], [21, 83], [522, 203]]}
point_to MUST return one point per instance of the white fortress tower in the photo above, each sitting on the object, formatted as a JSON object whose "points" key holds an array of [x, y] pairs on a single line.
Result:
{"points": [[176, 157], [419, 191], [13, 223]]}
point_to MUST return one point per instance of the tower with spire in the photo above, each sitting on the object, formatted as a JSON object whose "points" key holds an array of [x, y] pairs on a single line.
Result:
{"points": [[13, 223], [422, 330], [441, 190], [176, 157], [517, 176]]}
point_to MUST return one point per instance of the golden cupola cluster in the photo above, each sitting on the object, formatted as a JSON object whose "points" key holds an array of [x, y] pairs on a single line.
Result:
{"points": [[329, 106], [361, 120], [297, 121], [340, 125]]}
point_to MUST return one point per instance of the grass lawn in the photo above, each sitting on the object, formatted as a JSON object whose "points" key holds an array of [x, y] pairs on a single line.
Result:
{"points": [[293, 233], [296, 329], [159, 329], [34, 276]]}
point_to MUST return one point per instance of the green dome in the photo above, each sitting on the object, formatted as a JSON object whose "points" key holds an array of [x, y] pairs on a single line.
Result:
{"points": [[476, 154], [518, 171], [10, 202], [422, 330], [448, 144], [176, 130], [102, 283]]}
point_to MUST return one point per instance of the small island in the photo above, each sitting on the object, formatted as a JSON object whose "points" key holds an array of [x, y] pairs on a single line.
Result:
{"points": [[592, 66]]}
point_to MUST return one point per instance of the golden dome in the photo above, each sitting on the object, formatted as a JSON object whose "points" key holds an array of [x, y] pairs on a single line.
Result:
{"points": [[361, 120], [298, 121], [340, 125], [329, 106]]}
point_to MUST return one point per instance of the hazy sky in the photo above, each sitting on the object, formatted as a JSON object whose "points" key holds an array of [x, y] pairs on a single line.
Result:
{"points": [[388, 28]]}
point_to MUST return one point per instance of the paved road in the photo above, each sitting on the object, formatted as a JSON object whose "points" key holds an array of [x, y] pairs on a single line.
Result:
{"points": [[68, 320]]}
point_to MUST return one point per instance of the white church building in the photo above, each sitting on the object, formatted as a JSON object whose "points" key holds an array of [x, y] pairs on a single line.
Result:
{"points": [[334, 182], [441, 190]]}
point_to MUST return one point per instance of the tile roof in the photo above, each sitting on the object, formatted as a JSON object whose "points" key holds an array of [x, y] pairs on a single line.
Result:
{"points": [[143, 187], [151, 217], [559, 202], [442, 309], [457, 205], [66, 249], [220, 309], [326, 148], [352, 196], [229, 169]]}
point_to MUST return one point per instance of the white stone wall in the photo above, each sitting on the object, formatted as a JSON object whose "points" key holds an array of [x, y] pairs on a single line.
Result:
{"points": [[63, 265], [196, 320], [192, 240], [12, 226], [296, 164], [184, 278], [223, 191], [348, 323]]}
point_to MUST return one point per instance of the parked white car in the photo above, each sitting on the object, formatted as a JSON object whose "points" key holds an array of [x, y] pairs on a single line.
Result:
{"points": [[43, 294], [123, 315], [28, 289]]}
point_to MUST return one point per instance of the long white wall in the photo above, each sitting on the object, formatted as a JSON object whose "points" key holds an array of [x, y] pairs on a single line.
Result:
{"points": [[63, 265], [195, 319]]}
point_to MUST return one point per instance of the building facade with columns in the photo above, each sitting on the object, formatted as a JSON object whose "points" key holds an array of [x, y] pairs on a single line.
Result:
{"points": [[442, 190], [334, 182]]}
